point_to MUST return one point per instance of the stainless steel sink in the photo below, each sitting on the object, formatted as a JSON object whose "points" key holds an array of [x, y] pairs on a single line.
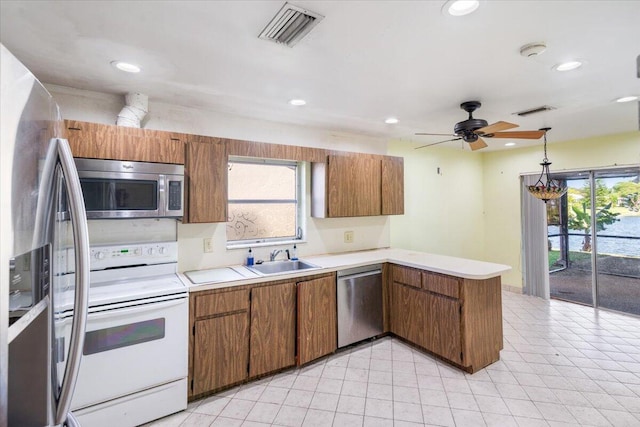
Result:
{"points": [[279, 267]]}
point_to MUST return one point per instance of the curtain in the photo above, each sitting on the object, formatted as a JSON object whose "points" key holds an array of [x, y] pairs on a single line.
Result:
{"points": [[535, 264]]}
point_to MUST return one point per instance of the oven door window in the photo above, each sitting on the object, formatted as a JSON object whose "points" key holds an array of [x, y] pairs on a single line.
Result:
{"points": [[119, 194], [123, 336]]}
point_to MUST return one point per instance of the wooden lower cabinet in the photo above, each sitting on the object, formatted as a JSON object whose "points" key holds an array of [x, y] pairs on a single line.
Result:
{"points": [[317, 318], [457, 319], [273, 328], [442, 327], [220, 351], [408, 313]]}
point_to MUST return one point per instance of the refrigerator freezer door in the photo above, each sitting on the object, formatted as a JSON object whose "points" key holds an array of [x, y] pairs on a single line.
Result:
{"points": [[30, 153]]}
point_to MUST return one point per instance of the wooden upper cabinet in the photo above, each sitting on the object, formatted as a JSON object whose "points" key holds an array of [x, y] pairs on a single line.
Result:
{"points": [[392, 185], [206, 180], [317, 318], [273, 328], [98, 141], [346, 186], [351, 185]]}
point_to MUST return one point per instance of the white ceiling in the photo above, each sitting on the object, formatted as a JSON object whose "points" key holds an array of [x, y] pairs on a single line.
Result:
{"points": [[365, 61]]}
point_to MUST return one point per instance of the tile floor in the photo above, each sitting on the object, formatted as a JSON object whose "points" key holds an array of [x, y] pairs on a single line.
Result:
{"points": [[562, 364]]}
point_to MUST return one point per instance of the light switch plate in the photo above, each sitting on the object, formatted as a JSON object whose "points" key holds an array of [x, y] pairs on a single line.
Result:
{"points": [[208, 245], [348, 236]]}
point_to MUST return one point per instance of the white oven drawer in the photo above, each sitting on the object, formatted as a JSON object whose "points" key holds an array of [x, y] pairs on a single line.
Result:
{"points": [[131, 349]]}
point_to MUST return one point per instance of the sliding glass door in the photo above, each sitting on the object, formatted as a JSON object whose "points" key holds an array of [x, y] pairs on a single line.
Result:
{"points": [[594, 240], [570, 269], [617, 246]]}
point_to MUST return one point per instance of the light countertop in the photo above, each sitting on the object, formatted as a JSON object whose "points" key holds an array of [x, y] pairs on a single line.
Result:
{"points": [[239, 275]]}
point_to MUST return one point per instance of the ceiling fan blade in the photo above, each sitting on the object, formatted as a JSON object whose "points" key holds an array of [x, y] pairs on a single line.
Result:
{"points": [[496, 127], [522, 134], [477, 144], [436, 134], [436, 143]]}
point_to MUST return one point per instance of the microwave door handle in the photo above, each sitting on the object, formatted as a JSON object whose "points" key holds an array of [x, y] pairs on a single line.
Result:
{"points": [[81, 304]]}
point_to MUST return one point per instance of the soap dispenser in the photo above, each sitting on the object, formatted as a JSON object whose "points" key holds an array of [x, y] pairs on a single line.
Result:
{"points": [[294, 253], [250, 257]]}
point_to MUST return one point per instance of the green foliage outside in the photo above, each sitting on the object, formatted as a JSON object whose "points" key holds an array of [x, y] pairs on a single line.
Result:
{"points": [[623, 194]]}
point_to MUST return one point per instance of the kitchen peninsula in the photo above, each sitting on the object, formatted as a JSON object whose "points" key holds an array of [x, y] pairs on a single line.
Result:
{"points": [[449, 307]]}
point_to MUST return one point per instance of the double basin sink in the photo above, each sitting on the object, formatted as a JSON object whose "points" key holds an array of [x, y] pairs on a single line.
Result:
{"points": [[280, 267]]}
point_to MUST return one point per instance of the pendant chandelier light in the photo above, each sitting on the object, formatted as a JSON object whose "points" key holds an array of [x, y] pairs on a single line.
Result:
{"points": [[546, 188]]}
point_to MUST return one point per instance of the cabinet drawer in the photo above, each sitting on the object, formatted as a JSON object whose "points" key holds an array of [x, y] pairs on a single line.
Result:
{"points": [[406, 276], [224, 302], [439, 284]]}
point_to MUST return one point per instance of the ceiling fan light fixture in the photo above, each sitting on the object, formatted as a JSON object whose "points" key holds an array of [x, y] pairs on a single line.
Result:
{"points": [[460, 7], [546, 188], [627, 99], [391, 120], [568, 66]]}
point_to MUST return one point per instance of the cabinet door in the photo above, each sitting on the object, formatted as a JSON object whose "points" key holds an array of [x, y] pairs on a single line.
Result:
{"points": [[206, 181], [442, 327], [98, 141], [221, 351], [317, 323], [407, 313], [353, 186], [273, 328], [392, 185]]}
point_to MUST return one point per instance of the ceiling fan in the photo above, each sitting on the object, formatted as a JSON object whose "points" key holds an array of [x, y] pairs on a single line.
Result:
{"points": [[471, 130]]}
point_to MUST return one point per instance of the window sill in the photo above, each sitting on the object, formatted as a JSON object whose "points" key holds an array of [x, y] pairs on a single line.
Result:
{"points": [[245, 245]]}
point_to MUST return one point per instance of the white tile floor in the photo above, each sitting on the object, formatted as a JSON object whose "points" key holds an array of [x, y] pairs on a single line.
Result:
{"points": [[562, 364]]}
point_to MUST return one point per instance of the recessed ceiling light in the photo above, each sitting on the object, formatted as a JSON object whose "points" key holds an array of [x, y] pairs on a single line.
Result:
{"points": [[627, 99], [391, 121], [509, 144], [297, 102], [126, 67], [568, 66], [460, 7]]}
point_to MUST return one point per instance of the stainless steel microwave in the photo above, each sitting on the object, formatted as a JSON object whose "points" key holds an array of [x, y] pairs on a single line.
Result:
{"points": [[122, 189]]}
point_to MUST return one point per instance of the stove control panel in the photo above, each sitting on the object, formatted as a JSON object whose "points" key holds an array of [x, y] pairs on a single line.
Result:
{"points": [[131, 255]]}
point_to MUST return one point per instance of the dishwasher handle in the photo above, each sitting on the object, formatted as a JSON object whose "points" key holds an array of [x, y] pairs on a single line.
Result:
{"points": [[358, 275]]}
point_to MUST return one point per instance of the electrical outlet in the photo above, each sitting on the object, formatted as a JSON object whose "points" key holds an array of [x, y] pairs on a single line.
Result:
{"points": [[348, 236], [208, 245]]}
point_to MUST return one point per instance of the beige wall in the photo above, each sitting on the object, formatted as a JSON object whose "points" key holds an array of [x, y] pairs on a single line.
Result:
{"points": [[501, 187], [472, 209], [443, 211]]}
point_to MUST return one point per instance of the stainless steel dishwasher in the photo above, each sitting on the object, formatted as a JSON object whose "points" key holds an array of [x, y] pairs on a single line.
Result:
{"points": [[359, 294]]}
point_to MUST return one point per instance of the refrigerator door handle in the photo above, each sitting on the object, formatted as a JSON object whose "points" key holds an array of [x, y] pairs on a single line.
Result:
{"points": [[71, 420], [81, 305]]}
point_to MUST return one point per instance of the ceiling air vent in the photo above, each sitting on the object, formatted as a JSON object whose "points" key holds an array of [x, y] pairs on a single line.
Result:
{"points": [[290, 25], [534, 110]]}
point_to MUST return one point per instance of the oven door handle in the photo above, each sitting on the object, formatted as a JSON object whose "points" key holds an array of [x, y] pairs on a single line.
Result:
{"points": [[137, 309], [81, 303]]}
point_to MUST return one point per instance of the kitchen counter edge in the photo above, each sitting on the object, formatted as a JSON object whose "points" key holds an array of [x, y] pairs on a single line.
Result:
{"points": [[452, 266]]}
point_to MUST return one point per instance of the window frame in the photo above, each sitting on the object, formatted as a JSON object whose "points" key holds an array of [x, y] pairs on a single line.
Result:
{"points": [[300, 204]]}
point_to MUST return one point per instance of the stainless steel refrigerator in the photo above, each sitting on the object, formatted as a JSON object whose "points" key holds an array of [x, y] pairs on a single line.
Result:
{"points": [[42, 218]]}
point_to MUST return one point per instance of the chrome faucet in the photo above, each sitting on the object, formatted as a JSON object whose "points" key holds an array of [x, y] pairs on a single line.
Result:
{"points": [[274, 254]]}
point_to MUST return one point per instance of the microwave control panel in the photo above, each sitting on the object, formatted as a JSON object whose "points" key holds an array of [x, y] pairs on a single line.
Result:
{"points": [[175, 195]]}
